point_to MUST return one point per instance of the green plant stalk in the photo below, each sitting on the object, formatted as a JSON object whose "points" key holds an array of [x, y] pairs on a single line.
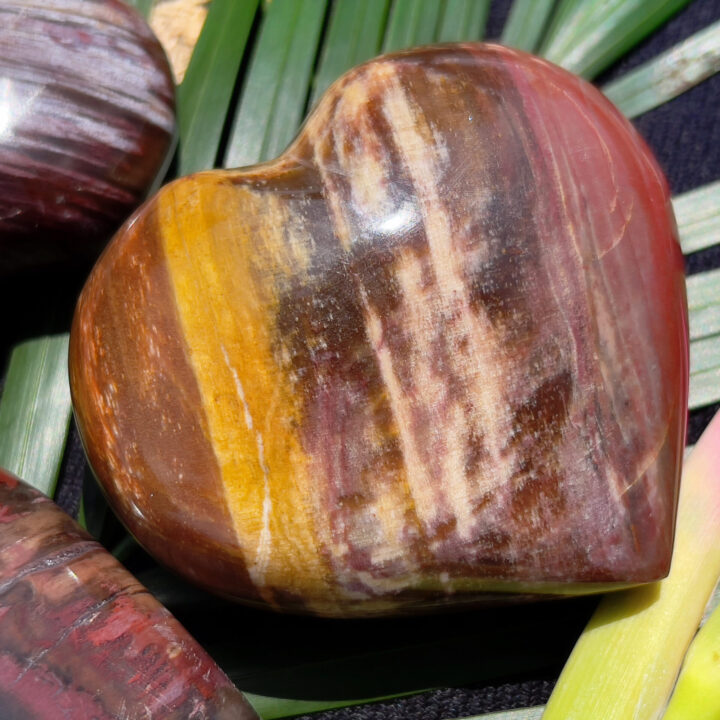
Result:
{"points": [[277, 82], [704, 321], [627, 659], [412, 22], [704, 371], [463, 20], [35, 411], [703, 292], [704, 388], [669, 74], [704, 289], [270, 708], [526, 23], [704, 354], [354, 34], [531, 713], [698, 217], [204, 96], [697, 692], [585, 36]]}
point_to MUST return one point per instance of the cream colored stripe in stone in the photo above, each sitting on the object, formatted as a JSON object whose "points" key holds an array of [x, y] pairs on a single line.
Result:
{"points": [[480, 363], [365, 175]]}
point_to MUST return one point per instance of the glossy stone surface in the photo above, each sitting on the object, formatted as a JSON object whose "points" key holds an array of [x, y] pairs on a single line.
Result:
{"points": [[437, 349], [81, 638], [86, 122]]}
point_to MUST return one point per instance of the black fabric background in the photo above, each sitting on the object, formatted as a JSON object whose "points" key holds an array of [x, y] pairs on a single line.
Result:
{"points": [[685, 135]]}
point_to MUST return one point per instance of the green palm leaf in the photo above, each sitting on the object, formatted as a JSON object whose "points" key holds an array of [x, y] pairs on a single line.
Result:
{"points": [[35, 411], [463, 20], [526, 24], [698, 217], [354, 35], [204, 96], [669, 74], [585, 37]]}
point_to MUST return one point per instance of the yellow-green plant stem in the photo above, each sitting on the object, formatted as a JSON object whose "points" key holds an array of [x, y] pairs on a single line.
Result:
{"points": [[626, 661], [697, 693]]}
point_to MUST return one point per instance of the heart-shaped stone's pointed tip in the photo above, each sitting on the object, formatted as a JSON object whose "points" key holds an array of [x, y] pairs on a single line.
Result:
{"points": [[436, 350], [86, 125]]}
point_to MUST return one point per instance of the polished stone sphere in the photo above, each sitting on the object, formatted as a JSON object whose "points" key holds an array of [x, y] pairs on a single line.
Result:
{"points": [[86, 123]]}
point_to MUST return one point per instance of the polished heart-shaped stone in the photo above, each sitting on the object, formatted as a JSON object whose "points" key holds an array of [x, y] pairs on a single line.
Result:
{"points": [[436, 350], [86, 122]]}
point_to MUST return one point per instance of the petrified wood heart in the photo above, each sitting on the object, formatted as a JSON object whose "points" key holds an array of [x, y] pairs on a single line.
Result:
{"points": [[436, 349], [86, 121]]}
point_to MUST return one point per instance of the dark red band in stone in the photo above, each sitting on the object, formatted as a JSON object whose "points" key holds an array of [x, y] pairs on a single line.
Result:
{"points": [[86, 122]]}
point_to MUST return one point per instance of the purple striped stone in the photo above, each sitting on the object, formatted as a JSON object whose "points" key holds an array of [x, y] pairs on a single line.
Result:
{"points": [[86, 122]]}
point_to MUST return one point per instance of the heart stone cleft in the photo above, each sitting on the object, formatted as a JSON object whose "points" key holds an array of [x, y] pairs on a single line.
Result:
{"points": [[436, 350]]}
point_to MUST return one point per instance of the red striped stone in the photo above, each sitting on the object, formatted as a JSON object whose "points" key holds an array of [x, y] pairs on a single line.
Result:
{"points": [[81, 638], [86, 122]]}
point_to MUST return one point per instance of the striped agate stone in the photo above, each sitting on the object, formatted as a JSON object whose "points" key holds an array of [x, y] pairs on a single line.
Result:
{"points": [[434, 353], [86, 122], [81, 638]]}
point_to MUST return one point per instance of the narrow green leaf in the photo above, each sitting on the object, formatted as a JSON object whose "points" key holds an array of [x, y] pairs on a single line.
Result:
{"points": [[703, 289], [567, 16], [704, 371], [270, 708], [463, 20], [526, 23], [669, 74], [354, 35], [698, 217], [142, 6], [277, 83], [204, 95], [412, 22], [585, 37], [704, 354], [532, 713], [697, 691], [704, 388], [81, 516], [704, 321], [703, 292], [35, 411]]}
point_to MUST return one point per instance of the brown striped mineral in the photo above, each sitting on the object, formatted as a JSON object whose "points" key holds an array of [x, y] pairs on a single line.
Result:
{"points": [[86, 122], [436, 350], [81, 638]]}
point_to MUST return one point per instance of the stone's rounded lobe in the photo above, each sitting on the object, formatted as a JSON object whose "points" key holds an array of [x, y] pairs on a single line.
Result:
{"points": [[81, 638], [86, 122], [437, 349]]}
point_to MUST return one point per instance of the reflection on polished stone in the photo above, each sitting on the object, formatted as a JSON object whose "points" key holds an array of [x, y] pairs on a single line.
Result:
{"points": [[436, 350], [86, 122]]}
